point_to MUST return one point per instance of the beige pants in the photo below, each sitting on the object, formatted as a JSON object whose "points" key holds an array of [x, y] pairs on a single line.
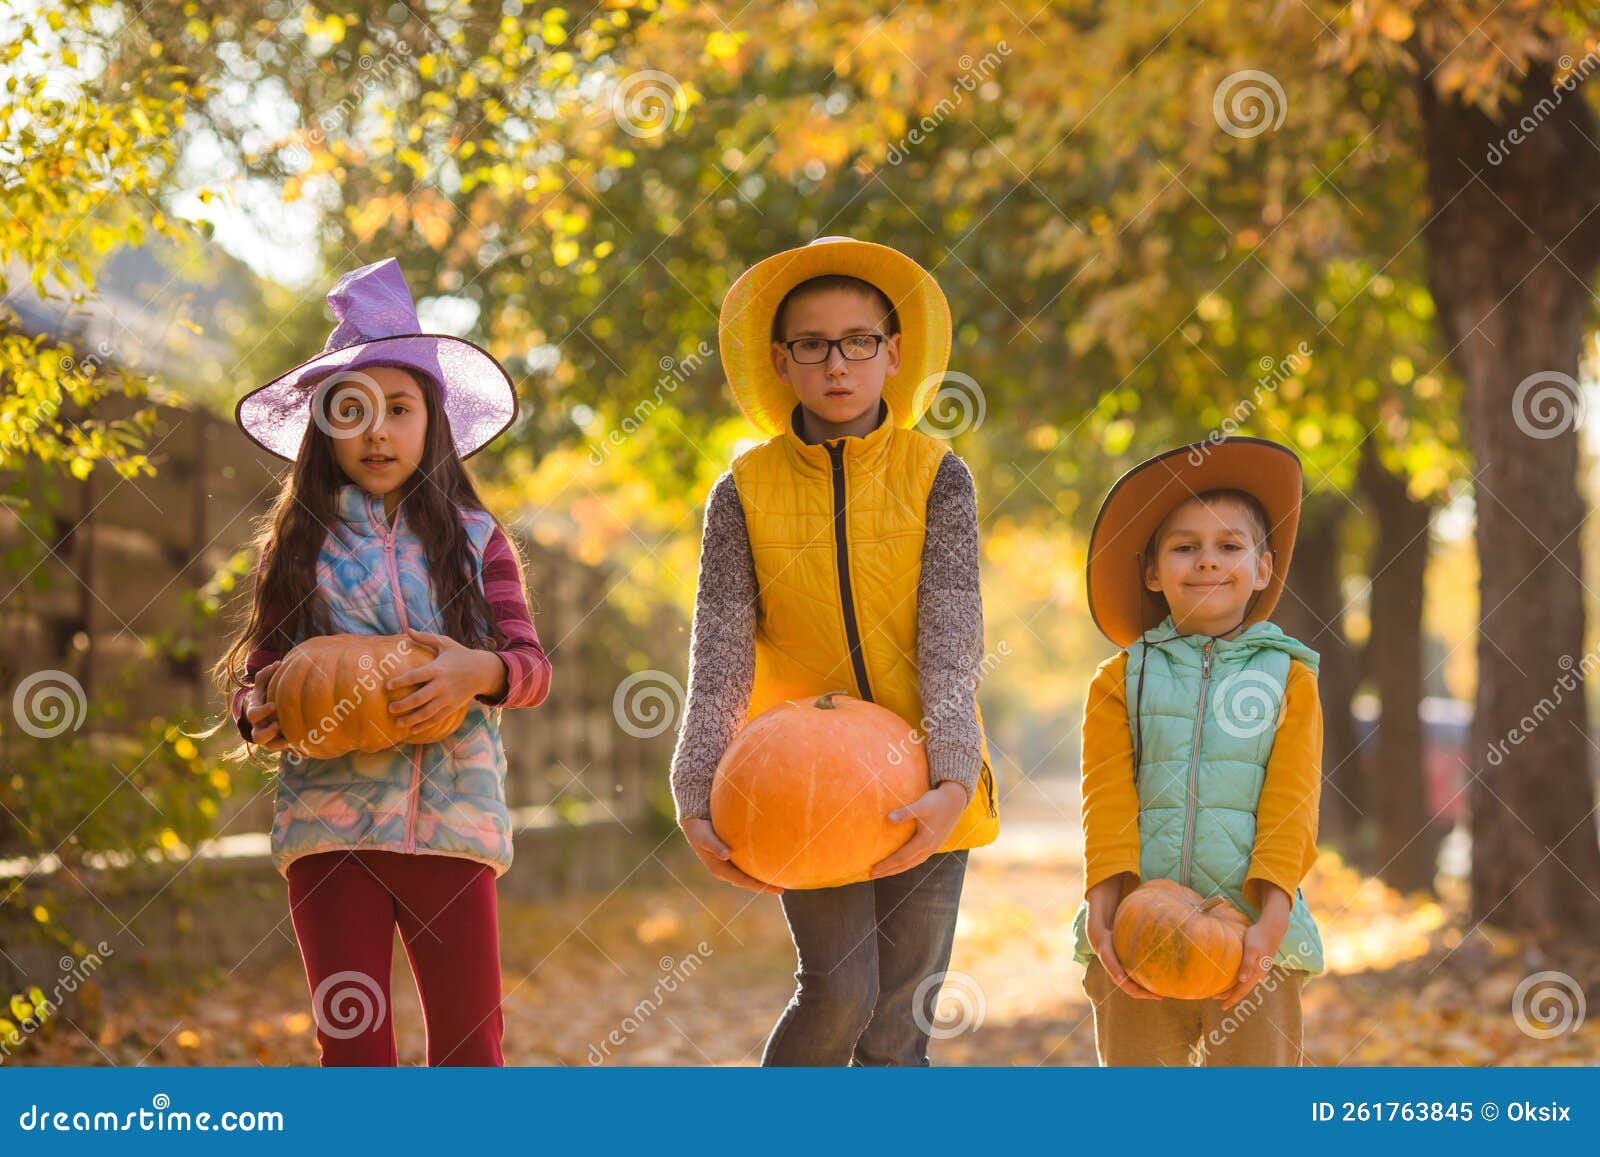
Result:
{"points": [[1262, 1029]]}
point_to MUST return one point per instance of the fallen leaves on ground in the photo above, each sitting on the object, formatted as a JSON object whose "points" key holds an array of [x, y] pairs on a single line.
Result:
{"points": [[688, 971]]}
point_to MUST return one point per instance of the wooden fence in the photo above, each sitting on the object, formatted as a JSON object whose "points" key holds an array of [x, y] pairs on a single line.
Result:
{"points": [[113, 605]]}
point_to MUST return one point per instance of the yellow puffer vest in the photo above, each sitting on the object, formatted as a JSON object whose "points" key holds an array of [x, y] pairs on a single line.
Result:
{"points": [[836, 531]]}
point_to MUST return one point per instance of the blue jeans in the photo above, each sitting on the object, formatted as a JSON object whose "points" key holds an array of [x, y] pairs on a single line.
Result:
{"points": [[864, 949]]}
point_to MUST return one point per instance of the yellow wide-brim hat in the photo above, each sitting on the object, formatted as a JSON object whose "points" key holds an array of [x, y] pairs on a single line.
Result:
{"points": [[745, 326], [1121, 605]]}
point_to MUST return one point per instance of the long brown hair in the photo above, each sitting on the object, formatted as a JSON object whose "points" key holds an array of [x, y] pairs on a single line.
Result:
{"points": [[287, 606]]}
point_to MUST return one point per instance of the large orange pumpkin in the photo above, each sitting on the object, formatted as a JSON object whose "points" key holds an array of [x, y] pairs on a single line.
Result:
{"points": [[802, 792], [331, 700], [1176, 943]]}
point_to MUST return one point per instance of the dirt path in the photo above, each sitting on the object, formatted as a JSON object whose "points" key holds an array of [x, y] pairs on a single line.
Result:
{"points": [[694, 972]]}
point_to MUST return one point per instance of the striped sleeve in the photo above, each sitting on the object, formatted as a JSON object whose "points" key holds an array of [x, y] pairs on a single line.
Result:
{"points": [[258, 658], [527, 666]]}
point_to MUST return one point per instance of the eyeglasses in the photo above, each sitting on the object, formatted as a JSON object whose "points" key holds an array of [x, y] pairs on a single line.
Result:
{"points": [[855, 347]]}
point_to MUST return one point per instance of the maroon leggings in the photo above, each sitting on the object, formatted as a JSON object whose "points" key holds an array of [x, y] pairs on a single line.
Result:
{"points": [[345, 906]]}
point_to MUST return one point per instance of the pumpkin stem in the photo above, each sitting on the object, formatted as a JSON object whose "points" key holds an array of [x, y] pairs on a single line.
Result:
{"points": [[1212, 903], [825, 700]]}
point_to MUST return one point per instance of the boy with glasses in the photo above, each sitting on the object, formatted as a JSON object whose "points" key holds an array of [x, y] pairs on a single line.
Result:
{"points": [[842, 554]]}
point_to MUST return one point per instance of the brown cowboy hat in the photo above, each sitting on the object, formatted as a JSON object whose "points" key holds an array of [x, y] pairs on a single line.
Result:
{"points": [[1122, 606]]}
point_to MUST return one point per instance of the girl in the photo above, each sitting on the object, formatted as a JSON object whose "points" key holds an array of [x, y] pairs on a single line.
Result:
{"points": [[380, 531], [842, 553], [1202, 747]]}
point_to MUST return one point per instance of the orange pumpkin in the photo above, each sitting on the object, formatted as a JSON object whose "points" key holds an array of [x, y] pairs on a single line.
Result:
{"points": [[1176, 943], [330, 697], [802, 792]]}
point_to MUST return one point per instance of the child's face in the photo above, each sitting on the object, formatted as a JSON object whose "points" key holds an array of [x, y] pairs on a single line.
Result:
{"points": [[837, 390], [1208, 562], [378, 441]]}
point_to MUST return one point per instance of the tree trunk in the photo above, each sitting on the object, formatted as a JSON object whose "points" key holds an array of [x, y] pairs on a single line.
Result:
{"points": [[1312, 611], [1513, 249], [1407, 838]]}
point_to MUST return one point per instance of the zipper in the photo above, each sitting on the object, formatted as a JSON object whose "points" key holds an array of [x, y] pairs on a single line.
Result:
{"points": [[414, 792], [987, 776], [1194, 761], [841, 547]]}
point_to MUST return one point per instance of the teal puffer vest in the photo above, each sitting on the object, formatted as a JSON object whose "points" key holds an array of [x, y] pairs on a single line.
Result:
{"points": [[1204, 728], [445, 798]]}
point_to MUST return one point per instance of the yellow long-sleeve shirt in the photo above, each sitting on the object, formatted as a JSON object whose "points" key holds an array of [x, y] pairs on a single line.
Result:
{"points": [[1286, 817]]}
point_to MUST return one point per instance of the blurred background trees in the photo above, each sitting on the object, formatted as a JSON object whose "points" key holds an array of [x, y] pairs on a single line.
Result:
{"points": [[1368, 231]]}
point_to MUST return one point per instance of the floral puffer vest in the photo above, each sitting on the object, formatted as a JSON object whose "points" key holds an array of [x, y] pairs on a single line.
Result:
{"points": [[445, 798]]}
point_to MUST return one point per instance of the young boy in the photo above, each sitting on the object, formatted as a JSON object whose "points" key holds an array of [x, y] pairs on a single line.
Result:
{"points": [[842, 554], [1202, 747]]}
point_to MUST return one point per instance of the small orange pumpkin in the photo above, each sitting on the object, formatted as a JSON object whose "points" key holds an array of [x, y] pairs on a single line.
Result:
{"points": [[1176, 943], [330, 698], [802, 792]]}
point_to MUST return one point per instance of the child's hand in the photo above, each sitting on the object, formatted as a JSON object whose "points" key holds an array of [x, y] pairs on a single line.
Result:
{"points": [[936, 813], [714, 855], [263, 713], [1261, 942], [1101, 941], [455, 677]]}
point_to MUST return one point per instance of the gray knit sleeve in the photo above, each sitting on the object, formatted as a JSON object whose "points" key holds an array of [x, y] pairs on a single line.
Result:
{"points": [[950, 628], [722, 651]]}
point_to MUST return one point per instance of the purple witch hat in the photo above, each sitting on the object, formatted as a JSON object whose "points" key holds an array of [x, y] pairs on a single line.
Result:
{"points": [[378, 326]]}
